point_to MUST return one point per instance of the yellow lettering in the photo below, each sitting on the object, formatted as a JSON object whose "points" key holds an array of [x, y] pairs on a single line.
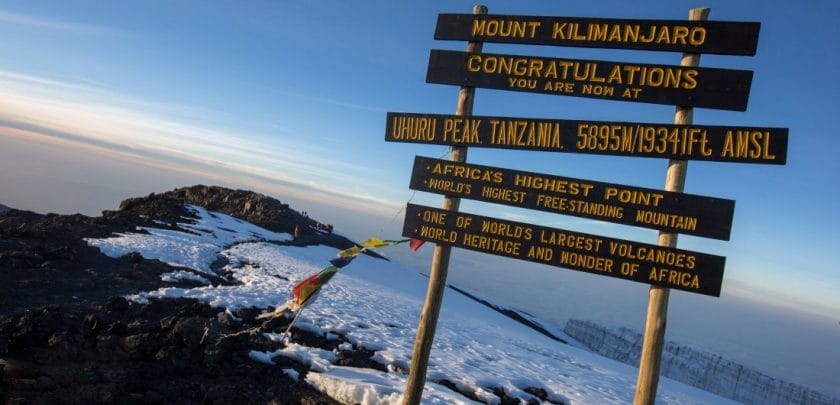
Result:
{"points": [[728, 146], [587, 262], [434, 217], [690, 79], [633, 196], [679, 34], [558, 31], [541, 253], [413, 128], [674, 277], [437, 234], [747, 143], [698, 36]]}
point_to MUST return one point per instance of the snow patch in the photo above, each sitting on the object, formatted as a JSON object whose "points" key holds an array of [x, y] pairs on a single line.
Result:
{"points": [[176, 276], [370, 387], [196, 250], [292, 373], [375, 304], [261, 357]]}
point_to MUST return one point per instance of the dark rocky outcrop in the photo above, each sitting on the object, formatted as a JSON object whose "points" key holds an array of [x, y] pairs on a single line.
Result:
{"points": [[167, 351], [67, 336], [255, 208], [45, 260]]}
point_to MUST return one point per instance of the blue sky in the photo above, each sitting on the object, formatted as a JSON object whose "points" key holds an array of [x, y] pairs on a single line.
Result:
{"points": [[105, 101]]}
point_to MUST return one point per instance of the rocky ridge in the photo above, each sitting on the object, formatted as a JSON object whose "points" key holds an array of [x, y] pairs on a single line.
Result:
{"points": [[66, 335]]}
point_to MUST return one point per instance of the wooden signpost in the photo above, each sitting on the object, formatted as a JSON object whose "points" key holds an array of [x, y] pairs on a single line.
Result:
{"points": [[653, 339], [686, 85], [440, 263]]}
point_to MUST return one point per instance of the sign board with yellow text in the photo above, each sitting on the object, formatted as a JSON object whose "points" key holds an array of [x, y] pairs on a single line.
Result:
{"points": [[679, 269], [637, 206], [716, 37], [724, 89], [737, 144]]}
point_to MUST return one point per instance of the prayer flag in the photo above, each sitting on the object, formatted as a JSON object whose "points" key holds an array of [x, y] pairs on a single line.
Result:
{"points": [[306, 288]]}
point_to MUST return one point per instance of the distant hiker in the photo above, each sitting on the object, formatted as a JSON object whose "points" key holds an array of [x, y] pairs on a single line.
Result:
{"points": [[297, 233]]}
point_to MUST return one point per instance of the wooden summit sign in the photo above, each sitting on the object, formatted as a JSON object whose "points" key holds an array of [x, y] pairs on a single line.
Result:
{"points": [[716, 37], [685, 86], [685, 142], [649, 208], [645, 263]]}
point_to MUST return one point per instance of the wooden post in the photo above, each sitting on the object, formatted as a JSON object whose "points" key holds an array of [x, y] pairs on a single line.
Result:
{"points": [[657, 314], [440, 263]]}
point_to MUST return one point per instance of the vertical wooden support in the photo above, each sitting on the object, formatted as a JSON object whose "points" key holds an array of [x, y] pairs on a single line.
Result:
{"points": [[440, 263], [657, 313]]}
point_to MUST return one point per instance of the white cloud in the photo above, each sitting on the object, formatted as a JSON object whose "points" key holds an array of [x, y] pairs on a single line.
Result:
{"points": [[44, 23], [180, 135]]}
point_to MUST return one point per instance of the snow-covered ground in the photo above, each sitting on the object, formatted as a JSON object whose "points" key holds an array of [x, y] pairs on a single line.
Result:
{"points": [[375, 304]]}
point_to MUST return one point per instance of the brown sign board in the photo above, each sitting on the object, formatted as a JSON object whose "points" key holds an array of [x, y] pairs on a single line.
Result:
{"points": [[645, 263], [685, 142], [643, 207], [714, 37], [684, 86]]}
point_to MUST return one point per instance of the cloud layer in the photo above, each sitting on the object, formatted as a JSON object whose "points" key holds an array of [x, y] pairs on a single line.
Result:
{"points": [[174, 137]]}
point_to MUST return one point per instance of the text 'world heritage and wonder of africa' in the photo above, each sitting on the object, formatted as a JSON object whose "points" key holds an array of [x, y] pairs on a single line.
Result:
{"points": [[656, 265]]}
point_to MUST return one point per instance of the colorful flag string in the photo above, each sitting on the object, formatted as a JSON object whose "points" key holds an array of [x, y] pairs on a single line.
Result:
{"points": [[306, 291]]}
